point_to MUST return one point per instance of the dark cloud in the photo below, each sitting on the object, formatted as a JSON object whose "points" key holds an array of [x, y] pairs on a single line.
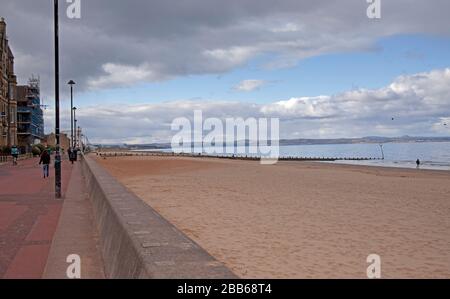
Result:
{"points": [[117, 43]]}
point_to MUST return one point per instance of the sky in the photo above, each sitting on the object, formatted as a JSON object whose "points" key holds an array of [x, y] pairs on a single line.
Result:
{"points": [[322, 67]]}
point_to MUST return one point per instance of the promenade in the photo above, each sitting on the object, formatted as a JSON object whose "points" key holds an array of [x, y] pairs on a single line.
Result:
{"points": [[111, 232], [29, 216]]}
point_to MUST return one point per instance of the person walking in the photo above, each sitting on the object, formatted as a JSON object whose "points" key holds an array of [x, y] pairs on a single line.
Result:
{"points": [[14, 154], [45, 161], [71, 153], [418, 163]]}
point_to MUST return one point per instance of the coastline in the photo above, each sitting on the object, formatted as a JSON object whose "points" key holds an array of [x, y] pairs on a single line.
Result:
{"points": [[433, 155], [386, 164], [300, 219]]}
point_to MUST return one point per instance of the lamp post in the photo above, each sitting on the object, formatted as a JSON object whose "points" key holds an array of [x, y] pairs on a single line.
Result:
{"points": [[57, 153], [79, 138], [74, 109], [76, 134], [71, 83]]}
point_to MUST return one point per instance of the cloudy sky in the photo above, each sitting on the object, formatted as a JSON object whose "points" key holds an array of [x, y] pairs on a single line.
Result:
{"points": [[323, 67]]}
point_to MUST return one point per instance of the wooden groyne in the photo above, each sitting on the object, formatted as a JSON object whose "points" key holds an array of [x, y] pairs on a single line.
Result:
{"points": [[231, 157]]}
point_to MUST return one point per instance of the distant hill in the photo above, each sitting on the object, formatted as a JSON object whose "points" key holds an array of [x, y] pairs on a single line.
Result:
{"points": [[368, 139]]}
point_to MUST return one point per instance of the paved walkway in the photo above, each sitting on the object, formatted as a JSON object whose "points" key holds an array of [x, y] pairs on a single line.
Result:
{"points": [[29, 216], [75, 234]]}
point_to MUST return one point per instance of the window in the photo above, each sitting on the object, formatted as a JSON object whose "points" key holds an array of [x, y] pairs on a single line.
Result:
{"points": [[13, 115]]}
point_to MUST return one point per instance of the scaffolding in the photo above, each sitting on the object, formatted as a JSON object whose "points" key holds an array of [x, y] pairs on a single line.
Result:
{"points": [[30, 114]]}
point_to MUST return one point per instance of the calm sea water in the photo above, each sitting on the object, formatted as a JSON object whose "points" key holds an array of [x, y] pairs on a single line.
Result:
{"points": [[433, 155]]}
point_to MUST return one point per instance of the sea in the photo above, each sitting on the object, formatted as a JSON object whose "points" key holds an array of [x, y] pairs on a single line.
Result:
{"points": [[432, 155]]}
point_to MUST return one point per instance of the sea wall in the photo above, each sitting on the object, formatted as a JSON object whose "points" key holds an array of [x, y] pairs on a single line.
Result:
{"points": [[136, 242]]}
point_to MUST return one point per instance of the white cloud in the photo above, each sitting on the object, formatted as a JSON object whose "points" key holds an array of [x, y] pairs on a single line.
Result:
{"points": [[419, 104], [307, 107], [249, 85], [117, 75], [288, 27], [225, 59]]}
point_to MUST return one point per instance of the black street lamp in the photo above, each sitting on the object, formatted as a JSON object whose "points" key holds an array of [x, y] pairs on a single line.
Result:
{"points": [[79, 138], [74, 109], [57, 153], [76, 134], [71, 83]]}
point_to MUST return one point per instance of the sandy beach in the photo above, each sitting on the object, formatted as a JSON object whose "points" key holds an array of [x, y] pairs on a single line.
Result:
{"points": [[300, 220]]}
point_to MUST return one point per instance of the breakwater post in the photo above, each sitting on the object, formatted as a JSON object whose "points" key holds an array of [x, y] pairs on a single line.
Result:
{"points": [[232, 157]]}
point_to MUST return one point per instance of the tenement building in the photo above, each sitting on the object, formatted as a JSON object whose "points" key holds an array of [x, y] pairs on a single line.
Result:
{"points": [[8, 81]]}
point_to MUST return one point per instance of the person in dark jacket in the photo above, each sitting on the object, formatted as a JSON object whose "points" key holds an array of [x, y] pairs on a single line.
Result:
{"points": [[72, 154], [45, 161]]}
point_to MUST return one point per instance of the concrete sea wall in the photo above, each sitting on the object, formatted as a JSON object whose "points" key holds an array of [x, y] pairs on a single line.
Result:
{"points": [[136, 242]]}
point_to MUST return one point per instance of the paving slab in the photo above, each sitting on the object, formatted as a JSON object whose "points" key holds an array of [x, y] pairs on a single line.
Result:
{"points": [[75, 234], [29, 214]]}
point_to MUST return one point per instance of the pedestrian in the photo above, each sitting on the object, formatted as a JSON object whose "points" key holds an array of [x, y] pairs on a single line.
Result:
{"points": [[418, 163], [70, 154], [75, 154], [14, 154], [45, 161]]}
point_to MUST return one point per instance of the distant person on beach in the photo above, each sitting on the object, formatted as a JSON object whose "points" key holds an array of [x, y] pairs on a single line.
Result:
{"points": [[45, 161], [418, 163], [15, 154]]}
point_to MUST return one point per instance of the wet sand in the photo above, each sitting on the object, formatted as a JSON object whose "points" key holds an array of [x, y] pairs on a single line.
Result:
{"points": [[301, 220]]}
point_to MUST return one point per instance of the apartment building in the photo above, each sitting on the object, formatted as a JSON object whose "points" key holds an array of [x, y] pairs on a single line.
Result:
{"points": [[8, 82]]}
